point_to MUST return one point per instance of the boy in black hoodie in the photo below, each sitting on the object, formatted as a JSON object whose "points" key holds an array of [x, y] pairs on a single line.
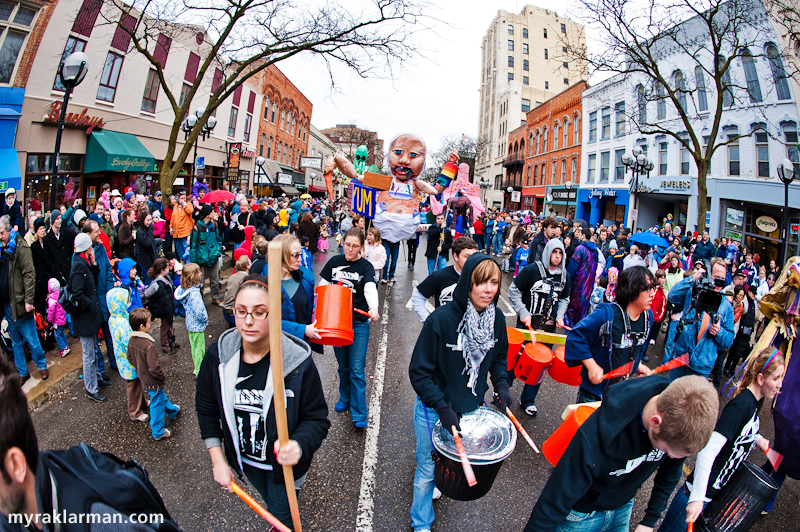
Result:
{"points": [[643, 425]]}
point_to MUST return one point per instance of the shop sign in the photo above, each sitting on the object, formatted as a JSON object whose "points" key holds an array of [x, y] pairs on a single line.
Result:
{"points": [[767, 224], [794, 228], [634, 214], [564, 194], [644, 189], [129, 164], [311, 162], [676, 185], [234, 158], [76, 119], [600, 192], [516, 196], [284, 179], [247, 153]]}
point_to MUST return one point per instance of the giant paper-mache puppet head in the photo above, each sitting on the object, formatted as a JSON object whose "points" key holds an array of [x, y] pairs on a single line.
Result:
{"points": [[362, 154], [405, 158]]}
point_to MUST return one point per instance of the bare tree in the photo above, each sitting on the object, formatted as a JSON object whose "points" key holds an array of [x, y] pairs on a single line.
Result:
{"points": [[350, 137], [237, 39], [469, 149], [678, 55]]}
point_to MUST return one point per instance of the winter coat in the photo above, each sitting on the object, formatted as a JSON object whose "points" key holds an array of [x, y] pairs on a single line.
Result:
{"points": [[125, 240], [434, 240], [159, 228], [146, 251], [376, 255], [43, 273], [204, 246], [196, 315], [83, 285], [124, 268], [21, 279], [704, 250], [582, 269], [55, 312], [197, 187], [144, 356], [108, 230], [120, 328], [59, 254], [15, 213], [161, 298], [437, 362], [306, 410], [105, 279], [311, 231], [182, 221]]}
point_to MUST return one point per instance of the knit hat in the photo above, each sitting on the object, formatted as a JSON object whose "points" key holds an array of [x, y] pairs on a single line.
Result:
{"points": [[78, 216], [205, 210], [613, 245], [55, 215], [10, 191], [156, 215], [38, 223], [82, 242], [128, 196]]}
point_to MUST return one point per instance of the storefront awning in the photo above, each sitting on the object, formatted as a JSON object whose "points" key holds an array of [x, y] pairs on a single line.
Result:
{"points": [[318, 188], [286, 189], [10, 175], [286, 168], [116, 152]]}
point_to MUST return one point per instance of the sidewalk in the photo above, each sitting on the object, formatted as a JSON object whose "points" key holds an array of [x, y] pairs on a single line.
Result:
{"points": [[65, 371]]}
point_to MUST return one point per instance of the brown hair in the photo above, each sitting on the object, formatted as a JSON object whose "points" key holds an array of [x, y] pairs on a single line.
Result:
{"points": [[139, 317], [286, 248], [461, 243], [688, 409], [254, 281], [159, 265], [485, 271], [376, 233], [354, 231], [262, 247], [757, 365], [126, 213], [18, 430], [307, 217], [191, 275], [242, 262], [660, 273]]}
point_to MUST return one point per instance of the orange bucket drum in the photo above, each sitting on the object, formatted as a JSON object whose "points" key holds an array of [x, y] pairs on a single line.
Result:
{"points": [[515, 341], [333, 312], [533, 363], [563, 373], [554, 446]]}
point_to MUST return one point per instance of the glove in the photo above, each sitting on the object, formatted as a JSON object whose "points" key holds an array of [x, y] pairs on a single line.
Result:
{"points": [[448, 417], [504, 396]]}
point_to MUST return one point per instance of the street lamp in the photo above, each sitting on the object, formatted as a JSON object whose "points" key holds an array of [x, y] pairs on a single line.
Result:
{"points": [[188, 125], [260, 164], [636, 163], [484, 184], [510, 190], [313, 177], [786, 174], [71, 72], [568, 185]]}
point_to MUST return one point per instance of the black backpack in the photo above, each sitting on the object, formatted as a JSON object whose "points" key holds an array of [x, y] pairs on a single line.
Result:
{"points": [[67, 300], [78, 477]]}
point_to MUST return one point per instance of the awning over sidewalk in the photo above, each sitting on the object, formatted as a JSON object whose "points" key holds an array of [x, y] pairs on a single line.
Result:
{"points": [[10, 175], [287, 189], [116, 152]]}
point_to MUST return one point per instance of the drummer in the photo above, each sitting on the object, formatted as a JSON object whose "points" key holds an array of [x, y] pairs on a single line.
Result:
{"points": [[460, 343]]}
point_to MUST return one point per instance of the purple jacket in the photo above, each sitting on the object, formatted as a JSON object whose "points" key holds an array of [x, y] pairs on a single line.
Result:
{"points": [[196, 188]]}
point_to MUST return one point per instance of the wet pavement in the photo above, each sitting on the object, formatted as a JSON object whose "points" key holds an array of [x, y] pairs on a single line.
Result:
{"points": [[347, 488]]}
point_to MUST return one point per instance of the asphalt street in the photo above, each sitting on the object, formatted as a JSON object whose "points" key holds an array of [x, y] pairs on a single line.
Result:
{"points": [[359, 480]]}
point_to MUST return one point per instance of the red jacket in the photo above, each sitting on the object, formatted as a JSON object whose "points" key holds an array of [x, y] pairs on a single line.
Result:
{"points": [[478, 226], [659, 306]]}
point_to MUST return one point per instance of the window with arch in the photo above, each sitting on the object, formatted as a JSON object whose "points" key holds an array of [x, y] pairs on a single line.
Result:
{"points": [[538, 143], [727, 91], [700, 80], [661, 104], [261, 144], [522, 149], [574, 176], [556, 129], [778, 73], [641, 102], [544, 141], [528, 180], [530, 145], [576, 130], [510, 150], [269, 149], [266, 108], [553, 173], [274, 111], [680, 87], [535, 176], [751, 75], [563, 170], [278, 154], [510, 29], [565, 141], [542, 175]]}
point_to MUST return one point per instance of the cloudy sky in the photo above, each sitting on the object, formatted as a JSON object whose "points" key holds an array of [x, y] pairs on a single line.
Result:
{"points": [[435, 96]]}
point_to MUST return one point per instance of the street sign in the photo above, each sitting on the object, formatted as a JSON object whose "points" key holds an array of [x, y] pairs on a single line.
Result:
{"points": [[634, 214], [794, 229], [364, 199], [284, 179], [200, 163], [708, 218]]}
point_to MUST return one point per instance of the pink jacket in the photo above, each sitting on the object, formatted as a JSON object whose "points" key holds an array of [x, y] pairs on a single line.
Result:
{"points": [[55, 312], [159, 229]]}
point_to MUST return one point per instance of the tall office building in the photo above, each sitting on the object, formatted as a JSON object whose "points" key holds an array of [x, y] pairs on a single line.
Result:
{"points": [[524, 63]]}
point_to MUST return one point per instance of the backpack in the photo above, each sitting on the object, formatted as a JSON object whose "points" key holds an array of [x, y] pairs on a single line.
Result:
{"points": [[46, 332], [67, 300], [80, 476]]}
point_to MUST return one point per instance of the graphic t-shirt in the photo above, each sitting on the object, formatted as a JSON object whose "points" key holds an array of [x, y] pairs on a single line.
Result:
{"points": [[739, 425], [248, 406], [440, 285], [354, 275], [522, 257], [622, 349], [540, 295]]}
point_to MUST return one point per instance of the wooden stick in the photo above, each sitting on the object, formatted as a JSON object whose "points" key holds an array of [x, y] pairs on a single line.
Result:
{"points": [[521, 429], [276, 363], [462, 453], [260, 510]]}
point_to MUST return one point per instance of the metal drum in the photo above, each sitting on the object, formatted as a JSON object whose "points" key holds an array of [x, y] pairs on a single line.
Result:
{"points": [[488, 437]]}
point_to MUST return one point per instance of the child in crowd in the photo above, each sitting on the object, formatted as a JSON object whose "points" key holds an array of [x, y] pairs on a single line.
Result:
{"points": [[130, 280], [322, 244], [598, 292], [57, 316], [506, 256], [174, 275], [734, 436], [522, 257], [190, 295], [259, 258], [118, 299], [144, 356], [161, 298], [306, 259], [374, 251]]}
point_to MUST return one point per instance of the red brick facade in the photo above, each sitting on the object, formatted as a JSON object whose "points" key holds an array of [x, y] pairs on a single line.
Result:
{"points": [[283, 120], [34, 39]]}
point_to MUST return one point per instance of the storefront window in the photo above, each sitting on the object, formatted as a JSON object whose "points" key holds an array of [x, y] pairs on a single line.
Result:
{"points": [[38, 170]]}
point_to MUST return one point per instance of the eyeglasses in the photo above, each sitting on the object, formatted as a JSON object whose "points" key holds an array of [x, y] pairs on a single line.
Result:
{"points": [[352, 246], [257, 314], [296, 255]]}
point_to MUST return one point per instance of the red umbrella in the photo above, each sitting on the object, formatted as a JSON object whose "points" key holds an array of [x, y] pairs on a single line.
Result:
{"points": [[216, 196]]}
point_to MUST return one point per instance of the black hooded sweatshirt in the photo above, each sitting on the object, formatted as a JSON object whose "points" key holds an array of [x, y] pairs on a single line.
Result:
{"points": [[608, 460], [437, 367]]}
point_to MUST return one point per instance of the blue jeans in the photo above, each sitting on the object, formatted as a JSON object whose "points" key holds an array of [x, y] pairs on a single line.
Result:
{"points": [[21, 331], [352, 382], [675, 518], [529, 393], [436, 264], [497, 242], [392, 251], [273, 494], [182, 248], [478, 240], [422, 504], [112, 362], [61, 337], [601, 521], [89, 359], [160, 405]]}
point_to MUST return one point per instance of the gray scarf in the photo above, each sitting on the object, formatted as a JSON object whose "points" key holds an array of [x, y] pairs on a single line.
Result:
{"points": [[477, 334]]}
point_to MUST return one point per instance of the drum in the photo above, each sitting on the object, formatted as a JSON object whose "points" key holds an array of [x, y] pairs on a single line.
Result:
{"points": [[515, 341], [533, 363], [333, 312], [563, 373], [555, 446], [740, 502], [488, 437]]}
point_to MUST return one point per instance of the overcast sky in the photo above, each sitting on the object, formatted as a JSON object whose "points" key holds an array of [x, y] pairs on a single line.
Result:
{"points": [[435, 96]]}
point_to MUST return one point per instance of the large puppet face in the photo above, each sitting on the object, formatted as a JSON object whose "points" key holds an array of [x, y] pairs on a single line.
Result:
{"points": [[406, 157], [361, 159]]}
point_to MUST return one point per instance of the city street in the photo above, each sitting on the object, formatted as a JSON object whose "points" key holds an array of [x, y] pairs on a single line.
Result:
{"points": [[359, 480]]}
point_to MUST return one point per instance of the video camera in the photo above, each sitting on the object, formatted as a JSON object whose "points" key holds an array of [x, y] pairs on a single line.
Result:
{"points": [[705, 297]]}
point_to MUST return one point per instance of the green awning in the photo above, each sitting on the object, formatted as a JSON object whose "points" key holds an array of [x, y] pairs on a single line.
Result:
{"points": [[286, 168], [116, 152]]}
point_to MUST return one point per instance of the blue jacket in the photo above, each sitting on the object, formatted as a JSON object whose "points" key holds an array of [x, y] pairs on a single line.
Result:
{"points": [[703, 353], [591, 338], [704, 250], [196, 315], [105, 281], [288, 317]]}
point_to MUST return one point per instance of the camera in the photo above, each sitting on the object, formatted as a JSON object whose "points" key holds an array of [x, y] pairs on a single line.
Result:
{"points": [[705, 298]]}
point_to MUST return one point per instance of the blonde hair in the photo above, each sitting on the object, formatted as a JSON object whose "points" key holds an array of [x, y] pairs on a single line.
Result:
{"points": [[762, 364], [191, 275], [286, 248], [634, 249], [688, 408], [485, 271], [241, 263], [375, 232]]}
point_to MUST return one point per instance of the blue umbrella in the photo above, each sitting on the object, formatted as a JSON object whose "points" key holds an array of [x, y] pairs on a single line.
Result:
{"points": [[651, 239]]}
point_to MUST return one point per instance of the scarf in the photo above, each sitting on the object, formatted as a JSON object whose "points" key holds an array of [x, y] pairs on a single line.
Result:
{"points": [[476, 331]]}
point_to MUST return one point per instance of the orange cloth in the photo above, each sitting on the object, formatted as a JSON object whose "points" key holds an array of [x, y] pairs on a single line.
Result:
{"points": [[182, 221]]}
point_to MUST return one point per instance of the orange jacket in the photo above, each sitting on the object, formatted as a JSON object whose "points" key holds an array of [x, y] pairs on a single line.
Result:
{"points": [[182, 221]]}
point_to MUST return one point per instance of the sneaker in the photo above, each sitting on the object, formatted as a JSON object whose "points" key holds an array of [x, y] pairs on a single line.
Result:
{"points": [[340, 407], [65, 352], [436, 493], [384, 281], [361, 424], [105, 383], [531, 410], [97, 397], [652, 342], [104, 376], [391, 281], [142, 419], [176, 413], [411, 267], [167, 434]]}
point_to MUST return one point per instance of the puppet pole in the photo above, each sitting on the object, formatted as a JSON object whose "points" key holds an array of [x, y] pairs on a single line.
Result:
{"points": [[276, 363]]}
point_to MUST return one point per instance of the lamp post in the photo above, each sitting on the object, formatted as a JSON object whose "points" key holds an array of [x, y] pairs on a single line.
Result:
{"points": [[71, 72], [786, 174], [484, 184], [313, 177], [568, 185], [636, 163], [260, 164], [188, 125], [510, 190]]}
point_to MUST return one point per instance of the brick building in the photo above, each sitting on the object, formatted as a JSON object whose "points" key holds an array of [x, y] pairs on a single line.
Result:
{"points": [[283, 127], [544, 157], [348, 137]]}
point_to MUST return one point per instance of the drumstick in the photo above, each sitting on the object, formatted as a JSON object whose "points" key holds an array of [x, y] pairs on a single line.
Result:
{"points": [[275, 258], [691, 526], [775, 458], [260, 510], [533, 335], [359, 311], [462, 453], [521, 429], [619, 372], [682, 360]]}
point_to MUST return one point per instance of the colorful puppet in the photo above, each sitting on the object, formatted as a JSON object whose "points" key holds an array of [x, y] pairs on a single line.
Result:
{"points": [[461, 187], [360, 164]]}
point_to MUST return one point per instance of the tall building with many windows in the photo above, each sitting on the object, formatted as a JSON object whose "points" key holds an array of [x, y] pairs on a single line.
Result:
{"points": [[524, 63]]}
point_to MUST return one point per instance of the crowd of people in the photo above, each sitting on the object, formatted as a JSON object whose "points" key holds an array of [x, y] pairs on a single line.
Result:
{"points": [[106, 276]]}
